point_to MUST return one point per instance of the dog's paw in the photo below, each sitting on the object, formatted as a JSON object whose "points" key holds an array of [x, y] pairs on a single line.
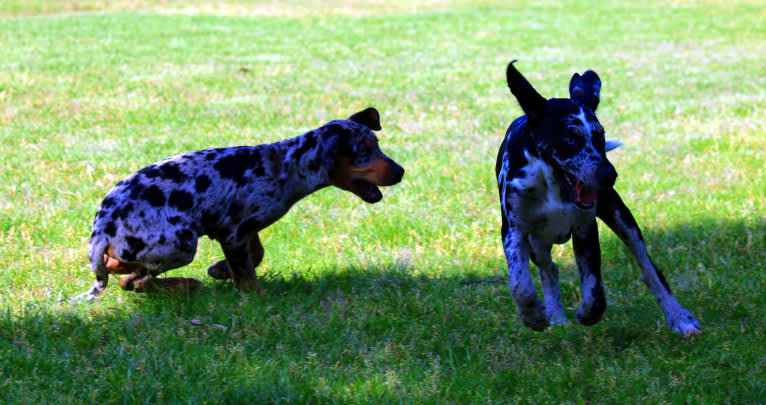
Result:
{"points": [[219, 270], [533, 315], [588, 318], [591, 312], [86, 297], [557, 318], [555, 311], [684, 322]]}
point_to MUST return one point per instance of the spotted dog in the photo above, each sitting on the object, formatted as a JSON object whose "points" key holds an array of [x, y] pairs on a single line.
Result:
{"points": [[149, 222], [554, 179]]}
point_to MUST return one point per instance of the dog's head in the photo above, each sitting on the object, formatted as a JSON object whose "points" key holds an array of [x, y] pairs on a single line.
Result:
{"points": [[353, 158], [567, 135]]}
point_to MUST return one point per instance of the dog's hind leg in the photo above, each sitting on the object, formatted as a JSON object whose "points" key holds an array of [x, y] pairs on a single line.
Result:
{"points": [[617, 216], [540, 254], [588, 257], [114, 266], [96, 251]]}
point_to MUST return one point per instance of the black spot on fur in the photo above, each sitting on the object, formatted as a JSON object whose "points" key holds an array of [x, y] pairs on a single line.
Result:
{"points": [[170, 171], [135, 246], [154, 196], [110, 228], [185, 240], [181, 200], [202, 183], [136, 191], [150, 172], [123, 212], [175, 220], [234, 166], [108, 202], [309, 143], [212, 154], [162, 239]]}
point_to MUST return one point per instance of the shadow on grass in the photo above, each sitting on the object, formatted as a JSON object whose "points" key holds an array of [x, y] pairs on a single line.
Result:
{"points": [[713, 267], [348, 329], [703, 262]]}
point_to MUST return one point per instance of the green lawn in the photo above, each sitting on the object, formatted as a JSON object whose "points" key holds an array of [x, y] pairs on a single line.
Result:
{"points": [[364, 302]]}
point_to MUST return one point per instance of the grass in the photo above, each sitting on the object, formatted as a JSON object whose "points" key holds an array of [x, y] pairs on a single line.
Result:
{"points": [[363, 302]]}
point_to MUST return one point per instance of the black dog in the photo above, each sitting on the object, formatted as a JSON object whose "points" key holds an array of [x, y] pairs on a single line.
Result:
{"points": [[554, 180], [149, 223]]}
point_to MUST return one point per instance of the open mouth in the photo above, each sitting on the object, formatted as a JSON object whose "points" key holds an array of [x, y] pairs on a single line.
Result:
{"points": [[367, 191], [581, 194]]}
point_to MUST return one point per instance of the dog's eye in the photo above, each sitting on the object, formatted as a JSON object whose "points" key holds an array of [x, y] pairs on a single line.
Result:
{"points": [[363, 153], [569, 140]]}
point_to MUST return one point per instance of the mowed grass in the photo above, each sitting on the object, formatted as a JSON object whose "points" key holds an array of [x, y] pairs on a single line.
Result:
{"points": [[364, 302]]}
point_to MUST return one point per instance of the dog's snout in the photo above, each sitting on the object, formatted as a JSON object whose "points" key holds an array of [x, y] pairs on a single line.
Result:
{"points": [[396, 173], [607, 175]]}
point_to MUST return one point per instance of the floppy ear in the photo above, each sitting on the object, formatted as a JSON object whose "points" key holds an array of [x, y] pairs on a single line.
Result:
{"points": [[369, 117], [586, 89], [334, 145], [330, 145], [530, 100]]}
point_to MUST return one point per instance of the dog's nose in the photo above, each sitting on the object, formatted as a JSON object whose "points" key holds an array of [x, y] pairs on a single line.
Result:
{"points": [[397, 172], [607, 175]]}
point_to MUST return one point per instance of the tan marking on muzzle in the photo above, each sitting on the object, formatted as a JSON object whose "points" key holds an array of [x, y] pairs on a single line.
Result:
{"points": [[378, 172]]}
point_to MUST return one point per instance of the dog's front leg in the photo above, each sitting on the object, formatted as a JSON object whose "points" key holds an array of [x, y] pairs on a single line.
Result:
{"points": [[617, 216], [588, 257], [220, 269], [531, 309], [241, 266], [549, 276]]}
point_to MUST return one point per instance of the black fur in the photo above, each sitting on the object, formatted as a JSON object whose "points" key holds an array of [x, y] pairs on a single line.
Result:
{"points": [[554, 179]]}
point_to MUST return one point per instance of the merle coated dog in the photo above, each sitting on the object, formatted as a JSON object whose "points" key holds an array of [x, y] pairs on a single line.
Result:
{"points": [[554, 179], [149, 222]]}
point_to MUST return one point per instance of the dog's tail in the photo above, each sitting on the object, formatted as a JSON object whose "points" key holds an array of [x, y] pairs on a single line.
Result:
{"points": [[612, 145], [96, 250]]}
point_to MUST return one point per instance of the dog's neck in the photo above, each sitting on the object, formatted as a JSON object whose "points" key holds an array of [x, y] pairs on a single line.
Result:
{"points": [[302, 169]]}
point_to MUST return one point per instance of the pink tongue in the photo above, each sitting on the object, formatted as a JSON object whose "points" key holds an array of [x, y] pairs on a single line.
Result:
{"points": [[585, 194]]}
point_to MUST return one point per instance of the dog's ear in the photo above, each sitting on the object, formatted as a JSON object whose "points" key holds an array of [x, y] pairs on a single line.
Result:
{"points": [[369, 117], [530, 100], [586, 89], [334, 145]]}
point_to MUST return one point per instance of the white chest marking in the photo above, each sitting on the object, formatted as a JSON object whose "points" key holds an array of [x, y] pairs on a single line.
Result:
{"points": [[540, 209]]}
